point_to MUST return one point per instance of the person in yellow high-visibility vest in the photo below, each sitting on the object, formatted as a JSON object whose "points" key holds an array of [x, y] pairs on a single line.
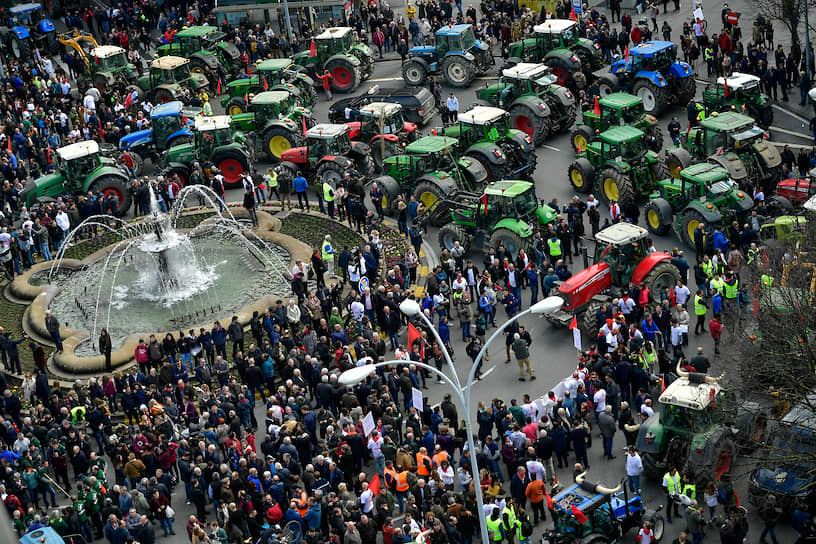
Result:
{"points": [[327, 254], [328, 196], [494, 523], [671, 483], [554, 248], [731, 292], [700, 310], [410, 12]]}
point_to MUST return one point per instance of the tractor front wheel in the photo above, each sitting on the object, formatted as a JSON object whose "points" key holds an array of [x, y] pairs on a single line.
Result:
{"points": [[344, 75], [582, 175], [381, 150], [430, 195], [277, 140], [658, 216], [523, 118], [509, 239], [606, 86], [458, 72], [654, 137], [414, 73], [581, 137], [232, 164], [236, 105], [663, 275], [618, 187], [676, 160], [691, 220], [112, 185], [133, 160], [453, 233], [687, 88], [653, 97]]}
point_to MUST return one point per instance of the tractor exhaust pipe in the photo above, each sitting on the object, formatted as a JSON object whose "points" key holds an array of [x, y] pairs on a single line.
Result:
{"points": [[585, 256]]}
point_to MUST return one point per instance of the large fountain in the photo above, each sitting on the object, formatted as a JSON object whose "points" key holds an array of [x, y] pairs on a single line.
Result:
{"points": [[156, 276]]}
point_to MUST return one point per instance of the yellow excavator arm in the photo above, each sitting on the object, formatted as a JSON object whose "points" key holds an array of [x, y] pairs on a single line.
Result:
{"points": [[75, 40]]}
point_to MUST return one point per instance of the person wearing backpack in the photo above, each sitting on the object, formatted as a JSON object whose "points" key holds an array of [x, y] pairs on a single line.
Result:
{"points": [[524, 529]]}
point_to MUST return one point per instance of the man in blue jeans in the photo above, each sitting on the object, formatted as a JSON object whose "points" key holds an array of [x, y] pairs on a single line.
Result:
{"points": [[300, 186]]}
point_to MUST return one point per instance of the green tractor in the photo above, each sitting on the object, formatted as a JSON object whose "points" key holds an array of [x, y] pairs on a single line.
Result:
{"points": [[616, 109], [109, 63], [537, 105], [80, 168], [215, 141], [703, 194], [484, 134], [277, 123], [270, 75], [206, 47], [507, 213], [348, 63], [733, 141], [741, 92], [557, 43], [431, 170], [168, 76], [629, 171]]}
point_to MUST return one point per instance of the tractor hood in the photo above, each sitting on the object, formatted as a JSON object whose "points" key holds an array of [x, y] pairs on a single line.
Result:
{"points": [[33, 190], [229, 50], [618, 66], [545, 215], [140, 137], [787, 480], [424, 50], [199, 81], [21, 32], [580, 288], [296, 155]]}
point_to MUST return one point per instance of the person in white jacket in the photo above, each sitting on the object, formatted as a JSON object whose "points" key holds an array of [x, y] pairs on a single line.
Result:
{"points": [[634, 468]]}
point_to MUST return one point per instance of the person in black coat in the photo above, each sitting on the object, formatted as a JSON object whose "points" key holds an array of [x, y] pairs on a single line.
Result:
{"points": [[12, 352]]}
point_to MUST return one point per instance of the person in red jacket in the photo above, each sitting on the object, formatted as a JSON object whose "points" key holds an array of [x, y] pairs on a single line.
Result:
{"points": [[326, 79], [715, 327]]}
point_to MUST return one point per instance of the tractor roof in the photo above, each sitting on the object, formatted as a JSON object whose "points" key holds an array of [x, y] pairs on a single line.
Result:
{"points": [[739, 80], [78, 150], [334, 33], [453, 30], [270, 97], [105, 51], [688, 393], [168, 109], [214, 122], [169, 62], [526, 70], [649, 49], [554, 26], [431, 144], [507, 187], [24, 8], [196, 31], [273, 65], [381, 109], [326, 131], [620, 234], [727, 122], [481, 115], [620, 100], [616, 135], [704, 172]]}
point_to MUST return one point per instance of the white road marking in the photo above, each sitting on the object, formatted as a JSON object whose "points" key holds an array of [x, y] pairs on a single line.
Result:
{"points": [[550, 147], [795, 146], [792, 114], [487, 78], [804, 135]]}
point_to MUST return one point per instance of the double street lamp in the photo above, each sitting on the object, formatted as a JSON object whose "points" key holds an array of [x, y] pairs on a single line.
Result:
{"points": [[411, 308]]}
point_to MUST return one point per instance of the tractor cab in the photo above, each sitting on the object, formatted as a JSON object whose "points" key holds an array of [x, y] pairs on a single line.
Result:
{"points": [[482, 123], [620, 109], [688, 404], [510, 198], [31, 15], [272, 105], [621, 143], [325, 139], [527, 78], [622, 246], [113, 59], [169, 70], [381, 118], [77, 161], [211, 132], [453, 38], [557, 33], [168, 120], [656, 56], [741, 86], [274, 69], [722, 132], [334, 41]]}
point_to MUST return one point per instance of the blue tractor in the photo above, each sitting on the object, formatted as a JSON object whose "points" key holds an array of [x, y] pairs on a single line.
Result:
{"points": [[593, 514], [30, 29], [652, 72], [171, 124], [458, 55]]}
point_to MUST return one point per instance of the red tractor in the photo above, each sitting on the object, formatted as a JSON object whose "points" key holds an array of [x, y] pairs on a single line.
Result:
{"points": [[797, 190], [621, 257], [383, 127]]}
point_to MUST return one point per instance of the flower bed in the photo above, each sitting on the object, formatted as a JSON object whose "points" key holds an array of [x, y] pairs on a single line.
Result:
{"points": [[311, 229], [394, 247], [11, 319]]}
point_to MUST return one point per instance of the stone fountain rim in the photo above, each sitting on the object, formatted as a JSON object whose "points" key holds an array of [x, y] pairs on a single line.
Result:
{"points": [[41, 296]]}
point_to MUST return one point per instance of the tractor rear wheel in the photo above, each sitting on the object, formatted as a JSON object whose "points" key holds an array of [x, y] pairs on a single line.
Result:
{"points": [[582, 175], [453, 233], [162, 96], [654, 137], [656, 220], [663, 275], [458, 72], [113, 185], [658, 522], [606, 86], [523, 118], [232, 164], [580, 137], [690, 221], [676, 160], [331, 172], [277, 140], [617, 186], [687, 88], [495, 172], [765, 116], [414, 73], [345, 77], [653, 97], [509, 239], [236, 105], [133, 160], [430, 195], [365, 165], [287, 170]]}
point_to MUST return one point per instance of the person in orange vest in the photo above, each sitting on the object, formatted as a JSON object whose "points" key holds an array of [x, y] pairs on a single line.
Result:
{"points": [[402, 488], [390, 476], [424, 462], [439, 456]]}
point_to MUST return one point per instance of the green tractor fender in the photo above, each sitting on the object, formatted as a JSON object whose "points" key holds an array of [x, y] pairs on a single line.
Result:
{"points": [[562, 58], [173, 88], [228, 52], [244, 121], [705, 448], [768, 154], [516, 226], [590, 51], [50, 185], [101, 172], [521, 139], [563, 95], [210, 60], [361, 49], [182, 153], [473, 172], [143, 83], [650, 435], [487, 153], [731, 162], [710, 216], [304, 59], [538, 106]]}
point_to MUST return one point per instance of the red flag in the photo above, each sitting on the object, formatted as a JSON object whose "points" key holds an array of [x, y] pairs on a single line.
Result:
{"points": [[756, 307], [484, 201], [266, 85], [574, 323], [303, 121], [549, 500], [248, 72], [99, 123], [128, 101], [626, 54], [725, 86], [8, 140], [413, 335], [313, 49], [218, 87], [572, 15], [374, 486], [671, 296], [579, 515], [597, 109], [719, 151], [246, 98]]}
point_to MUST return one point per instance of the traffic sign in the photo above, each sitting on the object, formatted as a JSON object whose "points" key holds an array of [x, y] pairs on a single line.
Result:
{"points": [[732, 17], [578, 7], [362, 285]]}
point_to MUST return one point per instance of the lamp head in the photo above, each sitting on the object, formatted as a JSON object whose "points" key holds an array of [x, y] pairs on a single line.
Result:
{"points": [[410, 307], [547, 306]]}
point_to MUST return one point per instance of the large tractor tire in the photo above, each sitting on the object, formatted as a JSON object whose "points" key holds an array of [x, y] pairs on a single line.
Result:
{"points": [[277, 140], [663, 275], [691, 219], [133, 160], [658, 216], [510, 62], [430, 195], [457, 71], [114, 185], [21, 48], [345, 77], [582, 175], [381, 151], [236, 105], [653, 97], [686, 89], [654, 137], [607, 85], [658, 521], [162, 96], [179, 140], [653, 468], [453, 233], [232, 164], [509, 239], [287, 170], [523, 118], [659, 172], [617, 186], [366, 166], [495, 172], [580, 137], [589, 322], [198, 66], [330, 172], [765, 116], [414, 73], [676, 160]]}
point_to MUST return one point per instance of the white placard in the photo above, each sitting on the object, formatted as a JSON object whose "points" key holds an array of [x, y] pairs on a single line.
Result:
{"points": [[416, 396], [576, 338], [368, 424]]}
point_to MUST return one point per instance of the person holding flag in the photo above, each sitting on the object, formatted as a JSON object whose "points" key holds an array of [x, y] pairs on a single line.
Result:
{"points": [[326, 78]]}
